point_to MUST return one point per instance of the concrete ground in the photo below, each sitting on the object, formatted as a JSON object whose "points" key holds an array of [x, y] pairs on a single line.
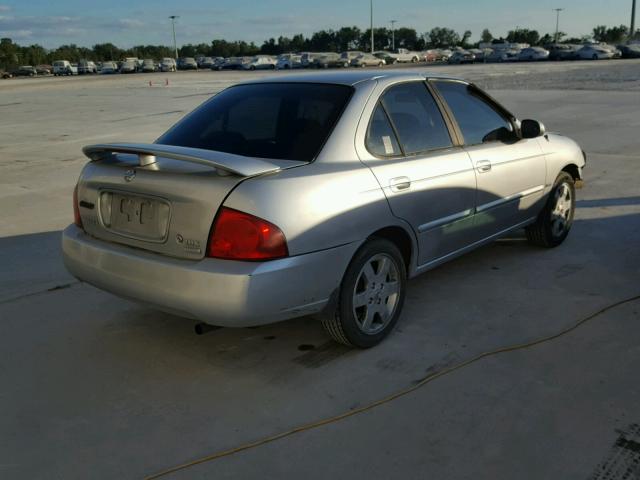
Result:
{"points": [[92, 386]]}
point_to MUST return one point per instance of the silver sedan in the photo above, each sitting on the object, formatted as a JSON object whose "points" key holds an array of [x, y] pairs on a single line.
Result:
{"points": [[316, 194]]}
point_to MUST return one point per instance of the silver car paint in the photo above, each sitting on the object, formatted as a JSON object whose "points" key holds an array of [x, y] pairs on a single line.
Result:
{"points": [[327, 209]]}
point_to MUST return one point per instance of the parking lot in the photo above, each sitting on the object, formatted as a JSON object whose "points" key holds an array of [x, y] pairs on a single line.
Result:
{"points": [[93, 386]]}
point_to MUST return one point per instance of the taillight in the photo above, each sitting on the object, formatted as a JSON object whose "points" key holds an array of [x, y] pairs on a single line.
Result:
{"points": [[76, 208], [239, 236]]}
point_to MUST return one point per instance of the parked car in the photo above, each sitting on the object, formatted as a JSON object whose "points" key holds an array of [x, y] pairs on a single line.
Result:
{"points": [[382, 55], [367, 60], [629, 51], [108, 68], [461, 56], [44, 69], [288, 61], [87, 67], [402, 55], [260, 62], [206, 62], [148, 65], [295, 196], [4, 75], [135, 61], [562, 51], [234, 63], [594, 52], [616, 53], [532, 54], [64, 67], [217, 63], [329, 60], [346, 57], [308, 59], [501, 55], [168, 65], [187, 63], [25, 71], [444, 54], [429, 56], [478, 54], [129, 66]]}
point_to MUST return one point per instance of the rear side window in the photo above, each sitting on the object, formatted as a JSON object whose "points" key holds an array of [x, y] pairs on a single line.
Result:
{"points": [[416, 117], [285, 121], [477, 119], [381, 140]]}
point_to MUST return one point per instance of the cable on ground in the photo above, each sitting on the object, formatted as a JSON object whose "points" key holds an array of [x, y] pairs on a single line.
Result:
{"points": [[389, 398]]}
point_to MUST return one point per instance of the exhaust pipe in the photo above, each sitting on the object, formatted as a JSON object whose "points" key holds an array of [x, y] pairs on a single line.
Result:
{"points": [[203, 328]]}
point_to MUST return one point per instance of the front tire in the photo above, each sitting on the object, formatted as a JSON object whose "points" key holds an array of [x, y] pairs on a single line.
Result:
{"points": [[554, 221], [370, 297]]}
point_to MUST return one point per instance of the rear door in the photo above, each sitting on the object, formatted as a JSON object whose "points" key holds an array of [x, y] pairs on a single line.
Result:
{"points": [[511, 172], [427, 179]]}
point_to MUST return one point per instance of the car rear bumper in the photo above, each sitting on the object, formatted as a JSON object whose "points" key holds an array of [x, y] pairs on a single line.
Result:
{"points": [[218, 292]]}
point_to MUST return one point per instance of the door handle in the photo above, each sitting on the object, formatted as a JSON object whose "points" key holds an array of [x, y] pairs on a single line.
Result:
{"points": [[399, 184], [483, 166]]}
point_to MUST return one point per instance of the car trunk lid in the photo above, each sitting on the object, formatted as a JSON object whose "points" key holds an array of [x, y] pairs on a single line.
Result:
{"points": [[161, 198]]}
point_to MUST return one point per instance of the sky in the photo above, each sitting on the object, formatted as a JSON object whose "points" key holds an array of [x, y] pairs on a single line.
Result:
{"points": [[142, 22]]}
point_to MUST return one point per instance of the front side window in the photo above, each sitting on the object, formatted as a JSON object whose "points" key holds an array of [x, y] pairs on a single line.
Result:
{"points": [[284, 121], [416, 117], [479, 122]]}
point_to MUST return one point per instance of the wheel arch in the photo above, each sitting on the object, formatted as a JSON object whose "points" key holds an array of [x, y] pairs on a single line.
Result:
{"points": [[573, 170], [405, 242]]}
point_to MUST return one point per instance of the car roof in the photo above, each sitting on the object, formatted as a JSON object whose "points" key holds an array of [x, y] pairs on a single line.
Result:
{"points": [[350, 78]]}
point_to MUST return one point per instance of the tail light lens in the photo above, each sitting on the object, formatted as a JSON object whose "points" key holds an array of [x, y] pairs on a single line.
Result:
{"points": [[239, 236], [76, 208]]}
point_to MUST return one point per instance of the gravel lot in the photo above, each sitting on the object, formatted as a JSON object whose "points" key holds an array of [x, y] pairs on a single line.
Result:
{"points": [[93, 386]]}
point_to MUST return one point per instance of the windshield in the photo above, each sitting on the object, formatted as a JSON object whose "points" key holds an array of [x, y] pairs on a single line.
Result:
{"points": [[285, 121]]}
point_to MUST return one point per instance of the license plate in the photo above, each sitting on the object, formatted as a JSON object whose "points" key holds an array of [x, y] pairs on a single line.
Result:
{"points": [[135, 216]]}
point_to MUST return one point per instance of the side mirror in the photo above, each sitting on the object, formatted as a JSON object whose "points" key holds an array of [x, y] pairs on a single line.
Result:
{"points": [[531, 129]]}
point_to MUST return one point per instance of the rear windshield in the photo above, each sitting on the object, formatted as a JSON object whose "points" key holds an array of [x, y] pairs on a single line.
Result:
{"points": [[285, 121]]}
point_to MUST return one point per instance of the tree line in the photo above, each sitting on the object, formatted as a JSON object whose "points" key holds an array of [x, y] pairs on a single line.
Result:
{"points": [[345, 38]]}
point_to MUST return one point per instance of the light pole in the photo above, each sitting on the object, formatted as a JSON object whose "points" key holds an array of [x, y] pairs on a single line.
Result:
{"points": [[633, 19], [173, 27], [371, 26], [557, 10], [393, 34]]}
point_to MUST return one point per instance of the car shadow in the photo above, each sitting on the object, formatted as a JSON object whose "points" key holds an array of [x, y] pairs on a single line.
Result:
{"points": [[33, 266], [31, 263]]}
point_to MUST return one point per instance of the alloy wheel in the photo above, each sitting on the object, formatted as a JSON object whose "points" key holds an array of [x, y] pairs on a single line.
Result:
{"points": [[562, 211], [376, 294]]}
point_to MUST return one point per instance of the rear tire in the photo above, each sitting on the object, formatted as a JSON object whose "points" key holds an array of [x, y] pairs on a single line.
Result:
{"points": [[554, 221], [370, 297]]}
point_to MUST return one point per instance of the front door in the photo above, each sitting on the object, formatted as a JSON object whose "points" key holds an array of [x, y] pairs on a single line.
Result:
{"points": [[510, 171]]}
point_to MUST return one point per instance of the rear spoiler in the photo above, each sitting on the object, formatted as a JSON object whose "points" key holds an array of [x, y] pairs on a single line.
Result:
{"points": [[147, 153]]}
